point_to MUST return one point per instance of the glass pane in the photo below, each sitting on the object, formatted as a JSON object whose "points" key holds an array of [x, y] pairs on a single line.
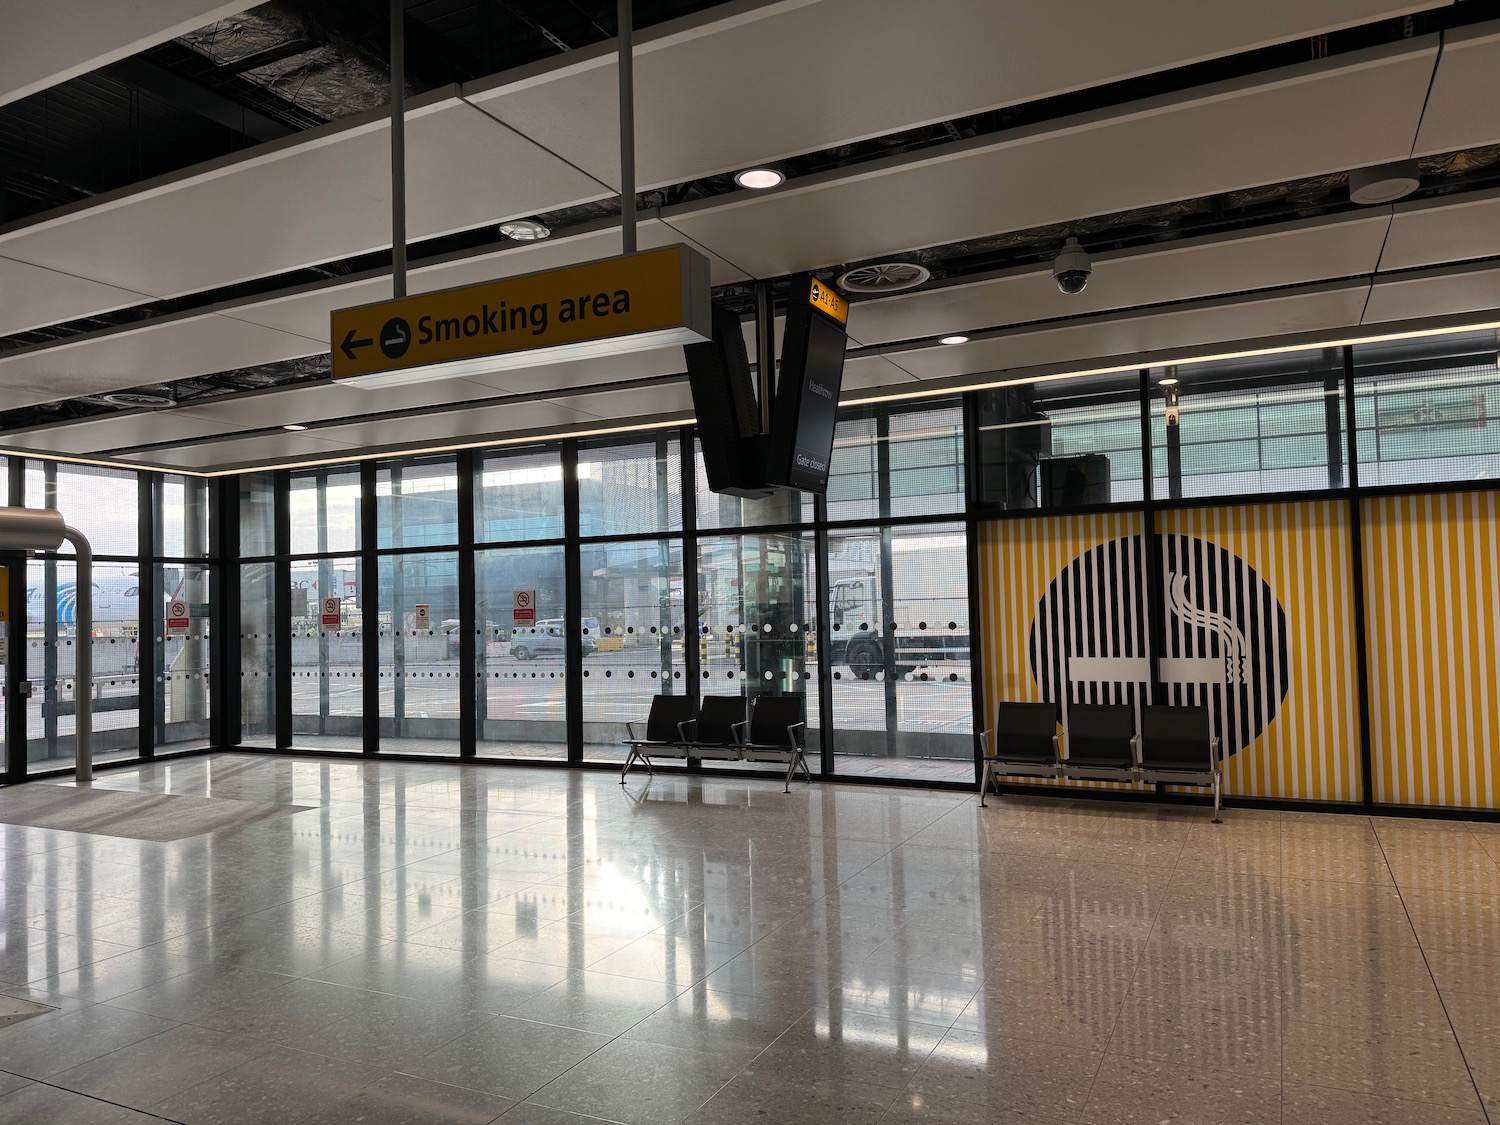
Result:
{"points": [[633, 633], [1263, 424], [927, 461], [417, 503], [757, 607], [325, 510], [899, 645], [521, 664], [419, 686], [257, 654], [101, 503], [184, 517], [630, 489], [1059, 445], [520, 497], [182, 659], [257, 515], [853, 470], [52, 636], [718, 510], [1423, 410], [327, 678]]}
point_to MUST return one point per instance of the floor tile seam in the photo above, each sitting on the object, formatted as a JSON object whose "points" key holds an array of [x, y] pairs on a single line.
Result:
{"points": [[1463, 1054], [1387, 1097], [90, 1097]]}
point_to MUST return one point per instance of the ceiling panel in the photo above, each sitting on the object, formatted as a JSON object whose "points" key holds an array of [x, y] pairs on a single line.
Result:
{"points": [[1472, 288], [114, 431], [117, 360], [846, 70], [1288, 254], [313, 198], [1095, 341], [242, 451], [457, 426], [31, 295], [45, 44], [1445, 229], [861, 372], [1315, 119], [634, 402], [1465, 90]]}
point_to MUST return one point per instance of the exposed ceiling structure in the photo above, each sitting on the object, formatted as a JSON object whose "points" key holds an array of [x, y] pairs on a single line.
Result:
{"points": [[186, 203]]}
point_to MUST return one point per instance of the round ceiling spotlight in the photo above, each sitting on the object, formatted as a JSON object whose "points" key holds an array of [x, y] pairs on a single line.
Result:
{"points": [[956, 339], [1168, 382], [525, 230], [759, 179], [1384, 183], [883, 277], [136, 398]]}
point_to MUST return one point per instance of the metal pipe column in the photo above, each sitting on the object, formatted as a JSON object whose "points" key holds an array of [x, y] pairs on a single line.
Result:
{"points": [[83, 661], [398, 148], [626, 24]]}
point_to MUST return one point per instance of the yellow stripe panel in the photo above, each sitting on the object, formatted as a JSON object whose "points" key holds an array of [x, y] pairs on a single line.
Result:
{"points": [[1301, 550], [1018, 559], [1432, 600]]}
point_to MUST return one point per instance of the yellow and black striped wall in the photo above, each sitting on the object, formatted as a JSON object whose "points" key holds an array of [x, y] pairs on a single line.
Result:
{"points": [[1259, 623]]}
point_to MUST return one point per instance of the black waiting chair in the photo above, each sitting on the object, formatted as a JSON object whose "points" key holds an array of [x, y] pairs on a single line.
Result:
{"points": [[1101, 736], [775, 734], [1177, 744], [719, 730], [664, 734], [1024, 743]]}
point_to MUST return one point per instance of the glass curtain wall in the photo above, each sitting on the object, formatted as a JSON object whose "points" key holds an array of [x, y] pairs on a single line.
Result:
{"points": [[327, 660], [181, 534], [104, 504], [520, 657], [258, 634], [633, 624]]}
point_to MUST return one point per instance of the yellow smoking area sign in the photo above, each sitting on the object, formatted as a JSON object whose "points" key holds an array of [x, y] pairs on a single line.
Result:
{"points": [[655, 298]]}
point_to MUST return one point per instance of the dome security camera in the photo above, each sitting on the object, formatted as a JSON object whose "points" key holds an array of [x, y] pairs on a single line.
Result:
{"points": [[1071, 268]]}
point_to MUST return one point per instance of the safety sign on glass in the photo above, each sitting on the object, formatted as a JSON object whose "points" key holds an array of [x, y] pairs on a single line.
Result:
{"points": [[332, 613], [422, 618], [177, 618], [523, 612]]}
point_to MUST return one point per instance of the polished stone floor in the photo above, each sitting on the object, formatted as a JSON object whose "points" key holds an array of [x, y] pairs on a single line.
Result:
{"points": [[433, 943]]}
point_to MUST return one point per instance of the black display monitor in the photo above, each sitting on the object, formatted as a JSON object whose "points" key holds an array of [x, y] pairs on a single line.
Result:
{"points": [[725, 406], [807, 386]]}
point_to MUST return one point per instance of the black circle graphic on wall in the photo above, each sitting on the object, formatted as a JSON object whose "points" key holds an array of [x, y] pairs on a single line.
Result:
{"points": [[1225, 637]]}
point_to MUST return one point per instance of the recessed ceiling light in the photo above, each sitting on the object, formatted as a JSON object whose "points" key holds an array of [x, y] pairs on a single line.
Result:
{"points": [[1166, 382], [758, 179], [1384, 183], [525, 230], [293, 426], [954, 340]]}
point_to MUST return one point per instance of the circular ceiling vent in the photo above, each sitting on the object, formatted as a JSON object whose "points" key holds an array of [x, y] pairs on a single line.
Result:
{"points": [[136, 398], [884, 277]]}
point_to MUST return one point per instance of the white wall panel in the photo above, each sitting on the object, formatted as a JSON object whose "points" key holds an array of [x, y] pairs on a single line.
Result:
{"points": [[1445, 229], [43, 44], [1465, 90], [1288, 254], [1317, 118], [727, 89]]}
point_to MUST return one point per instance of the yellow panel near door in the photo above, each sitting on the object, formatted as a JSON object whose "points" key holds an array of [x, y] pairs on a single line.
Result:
{"points": [[1432, 602]]}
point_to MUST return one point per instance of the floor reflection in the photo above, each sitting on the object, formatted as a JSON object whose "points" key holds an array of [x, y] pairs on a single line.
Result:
{"points": [[474, 941]]}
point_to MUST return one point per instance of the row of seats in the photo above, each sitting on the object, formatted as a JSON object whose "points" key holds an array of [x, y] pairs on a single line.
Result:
{"points": [[1174, 745], [724, 728]]}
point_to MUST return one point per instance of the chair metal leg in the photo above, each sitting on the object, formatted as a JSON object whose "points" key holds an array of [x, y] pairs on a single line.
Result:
{"points": [[626, 767], [984, 783], [1218, 782]]}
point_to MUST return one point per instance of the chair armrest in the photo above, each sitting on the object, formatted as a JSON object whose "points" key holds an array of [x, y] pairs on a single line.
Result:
{"points": [[1135, 749], [630, 730], [1057, 746], [791, 733], [739, 730], [984, 734], [682, 730]]}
